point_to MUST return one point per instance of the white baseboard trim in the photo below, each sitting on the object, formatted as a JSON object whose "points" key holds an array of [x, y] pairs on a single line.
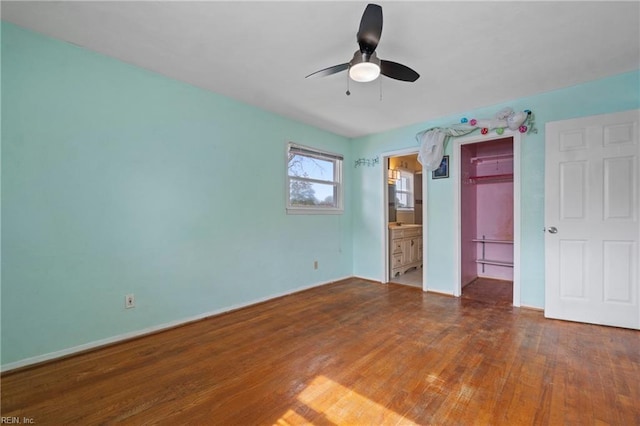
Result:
{"points": [[368, 279], [446, 293], [491, 277], [534, 308], [149, 330]]}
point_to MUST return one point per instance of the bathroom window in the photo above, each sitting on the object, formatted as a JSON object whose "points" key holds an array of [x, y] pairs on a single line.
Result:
{"points": [[404, 190], [314, 181]]}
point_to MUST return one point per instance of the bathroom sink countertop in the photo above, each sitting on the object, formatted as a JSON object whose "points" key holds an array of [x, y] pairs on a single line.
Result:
{"points": [[404, 225]]}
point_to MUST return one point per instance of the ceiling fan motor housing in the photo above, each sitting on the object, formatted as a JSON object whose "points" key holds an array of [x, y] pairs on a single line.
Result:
{"points": [[360, 57]]}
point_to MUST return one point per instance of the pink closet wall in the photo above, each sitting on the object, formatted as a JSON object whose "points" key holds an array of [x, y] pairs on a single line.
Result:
{"points": [[487, 208]]}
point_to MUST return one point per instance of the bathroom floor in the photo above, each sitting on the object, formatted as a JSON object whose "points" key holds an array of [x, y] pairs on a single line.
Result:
{"points": [[411, 278]]}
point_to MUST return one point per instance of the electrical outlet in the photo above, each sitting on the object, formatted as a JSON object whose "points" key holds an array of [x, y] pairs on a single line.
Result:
{"points": [[315, 264], [129, 301]]}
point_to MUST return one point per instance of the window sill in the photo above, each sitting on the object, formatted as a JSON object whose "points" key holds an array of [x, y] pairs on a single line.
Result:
{"points": [[312, 210]]}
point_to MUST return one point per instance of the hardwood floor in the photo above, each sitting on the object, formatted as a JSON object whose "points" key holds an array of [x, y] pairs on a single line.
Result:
{"points": [[352, 352], [495, 292]]}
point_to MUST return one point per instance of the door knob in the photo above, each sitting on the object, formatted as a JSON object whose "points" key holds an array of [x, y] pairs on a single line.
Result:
{"points": [[553, 230]]}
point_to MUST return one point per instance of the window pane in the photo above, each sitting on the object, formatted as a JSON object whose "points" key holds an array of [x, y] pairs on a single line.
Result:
{"points": [[404, 190], [310, 167], [304, 193], [405, 182], [315, 181], [402, 200]]}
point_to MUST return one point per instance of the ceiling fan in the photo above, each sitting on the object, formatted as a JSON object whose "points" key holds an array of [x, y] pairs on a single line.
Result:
{"points": [[365, 65]]}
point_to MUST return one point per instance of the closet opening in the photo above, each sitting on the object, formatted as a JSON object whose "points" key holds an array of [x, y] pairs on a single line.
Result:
{"points": [[486, 189]]}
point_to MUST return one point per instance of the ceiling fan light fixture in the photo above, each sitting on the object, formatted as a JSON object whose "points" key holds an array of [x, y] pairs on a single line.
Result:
{"points": [[364, 72], [364, 67]]}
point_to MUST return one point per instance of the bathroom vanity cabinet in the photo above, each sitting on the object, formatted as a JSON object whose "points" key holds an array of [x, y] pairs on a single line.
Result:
{"points": [[405, 248]]}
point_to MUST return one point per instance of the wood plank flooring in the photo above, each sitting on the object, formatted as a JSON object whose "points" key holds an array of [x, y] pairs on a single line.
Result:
{"points": [[352, 352], [492, 291]]}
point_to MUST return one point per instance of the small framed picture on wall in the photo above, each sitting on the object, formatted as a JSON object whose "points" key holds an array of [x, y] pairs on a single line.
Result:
{"points": [[442, 171]]}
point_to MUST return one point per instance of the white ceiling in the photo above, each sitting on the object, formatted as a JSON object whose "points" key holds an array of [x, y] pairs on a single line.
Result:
{"points": [[469, 54]]}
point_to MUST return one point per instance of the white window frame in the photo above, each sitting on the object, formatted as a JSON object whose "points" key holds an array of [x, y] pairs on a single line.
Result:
{"points": [[337, 159], [410, 192]]}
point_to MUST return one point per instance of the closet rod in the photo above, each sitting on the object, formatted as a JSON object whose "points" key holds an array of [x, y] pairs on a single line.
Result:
{"points": [[480, 159]]}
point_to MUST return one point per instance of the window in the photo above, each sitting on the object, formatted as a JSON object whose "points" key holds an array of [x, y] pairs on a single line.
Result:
{"points": [[404, 190], [314, 181]]}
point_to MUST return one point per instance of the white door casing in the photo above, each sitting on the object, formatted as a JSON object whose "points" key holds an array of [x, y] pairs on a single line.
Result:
{"points": [[385, 249], [457, 147], [591, 220]]}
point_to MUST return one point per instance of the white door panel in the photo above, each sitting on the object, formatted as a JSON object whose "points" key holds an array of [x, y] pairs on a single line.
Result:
{"points": [[592, 203]]}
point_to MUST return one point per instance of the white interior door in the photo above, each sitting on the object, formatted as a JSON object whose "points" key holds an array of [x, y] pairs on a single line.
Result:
{"points": [[591, 219]]}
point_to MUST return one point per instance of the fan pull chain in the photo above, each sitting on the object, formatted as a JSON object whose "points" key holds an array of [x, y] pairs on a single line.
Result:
{"points": [[379, 78], [348, 92]]}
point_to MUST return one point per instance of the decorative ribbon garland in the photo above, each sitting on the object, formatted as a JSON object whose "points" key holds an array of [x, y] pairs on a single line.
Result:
{"points": [[432, 140]]}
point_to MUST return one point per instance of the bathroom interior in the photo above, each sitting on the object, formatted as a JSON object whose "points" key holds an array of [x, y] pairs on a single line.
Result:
{"points": [[405, 236]]}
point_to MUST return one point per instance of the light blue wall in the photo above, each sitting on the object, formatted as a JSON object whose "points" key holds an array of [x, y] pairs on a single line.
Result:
{"points": [[613, 94], [116, 180]]}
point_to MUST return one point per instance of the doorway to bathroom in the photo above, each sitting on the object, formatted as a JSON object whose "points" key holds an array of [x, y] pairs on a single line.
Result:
{"points": [[404, 219]]}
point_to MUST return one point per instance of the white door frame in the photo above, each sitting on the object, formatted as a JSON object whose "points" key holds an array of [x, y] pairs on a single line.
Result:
{"points": [[457, 149], [385, 216]]}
